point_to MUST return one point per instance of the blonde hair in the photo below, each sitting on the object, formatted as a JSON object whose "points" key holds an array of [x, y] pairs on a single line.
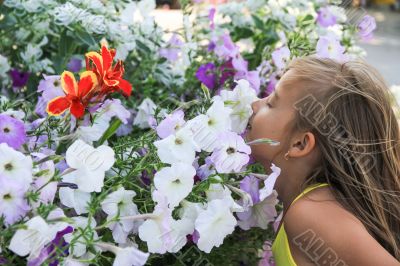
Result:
{"points": [[359, 143]]}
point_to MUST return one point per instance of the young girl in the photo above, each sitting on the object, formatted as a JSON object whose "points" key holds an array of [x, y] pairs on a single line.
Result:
{"points": [[339, 158]]}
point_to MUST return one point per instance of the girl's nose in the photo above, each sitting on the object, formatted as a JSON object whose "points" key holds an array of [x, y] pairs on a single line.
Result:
{"points": [[255, 105]]}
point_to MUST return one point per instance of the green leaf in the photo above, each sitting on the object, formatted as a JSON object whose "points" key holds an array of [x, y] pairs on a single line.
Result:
{"points": [[143, 47], [241, 33], [258, 22], [66, 45], [85, 37], [110, 131], [206, 92]]}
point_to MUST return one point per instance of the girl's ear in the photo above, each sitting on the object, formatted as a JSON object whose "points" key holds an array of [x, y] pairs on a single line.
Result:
{"points": [[303, 145]]}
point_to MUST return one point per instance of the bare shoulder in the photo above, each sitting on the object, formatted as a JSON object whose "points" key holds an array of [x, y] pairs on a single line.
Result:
{"points": [[321, 231]]}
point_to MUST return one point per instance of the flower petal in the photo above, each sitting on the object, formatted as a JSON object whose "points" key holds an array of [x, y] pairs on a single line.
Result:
{"points": [[77, 109], [68, 83], [97, 61], [58, 105], [88, 81], [107, 57], [125, 87]]}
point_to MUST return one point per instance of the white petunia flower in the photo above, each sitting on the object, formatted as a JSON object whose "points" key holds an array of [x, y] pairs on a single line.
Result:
{"points": [[15, 165], [125, 256], [90, 164], [175, 182], [218, 191], [190, 210], [73, 198], [179, 147], [163, 233], [239, 100], [31, 240], [120, 203], [206, 127], [214, 224], [130, 256], [93, 132], [145, 111]]}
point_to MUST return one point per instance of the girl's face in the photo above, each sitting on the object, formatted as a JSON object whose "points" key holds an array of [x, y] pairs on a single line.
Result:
{"points": [[273, 118]]}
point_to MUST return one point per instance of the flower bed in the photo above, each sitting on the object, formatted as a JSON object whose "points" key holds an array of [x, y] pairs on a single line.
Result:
{"points": [[137, 154]]}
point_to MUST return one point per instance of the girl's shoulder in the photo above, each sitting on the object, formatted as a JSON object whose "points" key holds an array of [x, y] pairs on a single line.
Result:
{"points": [[320, 228]]}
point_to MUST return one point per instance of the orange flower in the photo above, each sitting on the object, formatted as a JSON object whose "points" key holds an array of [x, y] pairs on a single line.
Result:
{"points": [[77, 95], [110, 78]]}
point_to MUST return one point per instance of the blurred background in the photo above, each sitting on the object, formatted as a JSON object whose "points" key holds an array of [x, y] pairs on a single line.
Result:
{"points": [[383, 50]]}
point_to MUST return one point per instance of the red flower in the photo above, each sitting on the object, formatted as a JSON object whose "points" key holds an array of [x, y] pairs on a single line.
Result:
{"points": [[77, 95], [110, 78]]}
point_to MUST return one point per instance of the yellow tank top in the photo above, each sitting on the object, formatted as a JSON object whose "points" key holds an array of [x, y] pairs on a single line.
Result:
{"points": [[280, 247]]}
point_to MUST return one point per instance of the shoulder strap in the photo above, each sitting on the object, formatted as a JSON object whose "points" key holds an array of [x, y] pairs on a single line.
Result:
{"points": [[308, 189]]}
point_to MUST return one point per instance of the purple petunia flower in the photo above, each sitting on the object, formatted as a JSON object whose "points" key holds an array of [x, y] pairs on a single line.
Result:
{"points": [[227, 71], [13, 204], [325, 17], [206, 74], [55, 247], [366, 27], [12, 131], [19, 78], [330, 47], [74, 65]]}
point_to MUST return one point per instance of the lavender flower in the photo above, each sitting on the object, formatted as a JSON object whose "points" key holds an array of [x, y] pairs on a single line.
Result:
{"points": [[366, 27], [251, 184], [12, 131], [232, 154], [280, 57], [13, 204], [211, 15], [206, 74], [325, 17], [74, 65], [19, 78], [225, 48], [252, 77], [50, 87], [172, 50], [330, 47], [171, 124]]}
